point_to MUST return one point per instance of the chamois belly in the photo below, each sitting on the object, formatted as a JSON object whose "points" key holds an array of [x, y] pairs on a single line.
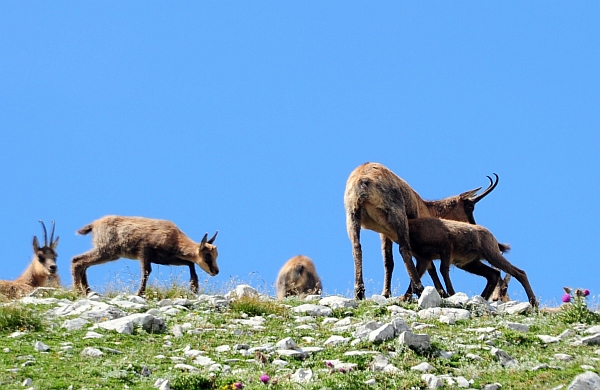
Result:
{"points": [[464, 259], [374, 219]]}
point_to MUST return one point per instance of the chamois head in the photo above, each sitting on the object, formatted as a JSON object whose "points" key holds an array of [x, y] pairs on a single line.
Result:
{"points": [[207, 255], [500, 292], [45, 257], [461, 207]]}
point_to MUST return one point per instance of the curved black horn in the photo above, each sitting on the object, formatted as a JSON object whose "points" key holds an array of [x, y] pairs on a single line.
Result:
{"points": [[52, 233], [45, 233], [493, 185]]}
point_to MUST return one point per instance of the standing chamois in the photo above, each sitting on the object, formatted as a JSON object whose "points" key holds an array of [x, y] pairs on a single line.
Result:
{"points": [[298, 276], [147, 240], [463, 245], [42, 267], [378, 200]]}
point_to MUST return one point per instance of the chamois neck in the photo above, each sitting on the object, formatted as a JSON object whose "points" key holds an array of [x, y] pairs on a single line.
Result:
{"points": [[186, 247], [31, 277], [438, 208]]}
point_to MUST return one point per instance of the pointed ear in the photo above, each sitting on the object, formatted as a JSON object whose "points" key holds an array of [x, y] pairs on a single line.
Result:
{"points": [[203, 242], [469, 194], [36, 244], [55, 243], [507, 278]]}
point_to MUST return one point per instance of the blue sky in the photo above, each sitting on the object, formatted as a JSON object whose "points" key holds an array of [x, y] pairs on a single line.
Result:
{"points": [[247, 118]]}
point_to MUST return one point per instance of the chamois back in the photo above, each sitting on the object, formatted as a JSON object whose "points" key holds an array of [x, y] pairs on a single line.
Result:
{"points": [[298, 276]]}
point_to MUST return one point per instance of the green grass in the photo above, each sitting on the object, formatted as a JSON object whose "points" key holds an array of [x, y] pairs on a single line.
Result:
{"points": [[63, 366], [18, 318]]}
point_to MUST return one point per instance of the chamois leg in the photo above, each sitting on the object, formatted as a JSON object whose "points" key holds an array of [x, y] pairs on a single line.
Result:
{"points": [[415, 279], [80, 264], [422, 266], [146, 269], [388, 265], [498, 261], [193, 279], [353, 226], [446, 260], [436, 281], [492, 275], [399, 223]]}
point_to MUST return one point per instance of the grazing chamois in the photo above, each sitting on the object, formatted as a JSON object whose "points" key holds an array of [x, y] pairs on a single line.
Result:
{"points": [[378, 200], [500, 292], [298, 276], [463, 245], [147, 240], [42, 267]]}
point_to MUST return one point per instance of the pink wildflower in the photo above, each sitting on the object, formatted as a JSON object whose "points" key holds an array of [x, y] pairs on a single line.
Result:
{"points": [[264, 378], [238, 385], [329, 364], [566, 298], [586, 292]]}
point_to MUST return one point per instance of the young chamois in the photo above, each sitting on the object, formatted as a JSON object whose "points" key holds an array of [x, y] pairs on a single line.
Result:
{"points": [[298, 276], [42, 267], [147, 240], [378, 200], [463, 245]]}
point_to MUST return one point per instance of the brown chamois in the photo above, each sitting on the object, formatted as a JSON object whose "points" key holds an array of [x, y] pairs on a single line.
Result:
{"points": [[42, 267], [500, 292], [298, 276], [147, 240], [463, 245], [378, 200]]}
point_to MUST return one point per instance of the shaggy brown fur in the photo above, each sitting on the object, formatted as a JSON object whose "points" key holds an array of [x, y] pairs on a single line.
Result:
{"points": [[298, 276], [377, 199], [42, 266], [464, 245], [147, 240]]}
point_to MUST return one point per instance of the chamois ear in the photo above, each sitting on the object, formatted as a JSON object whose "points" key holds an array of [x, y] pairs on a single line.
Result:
{"points": [[213, 238], [55, 243], [36, 244], [469, 194]]}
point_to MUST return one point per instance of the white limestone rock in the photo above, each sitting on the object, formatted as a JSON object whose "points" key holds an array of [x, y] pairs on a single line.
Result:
{"points": [[302, 375], [586, 381], [423, 367], [313, 310], [336, 302], [415, 341], [383, 333], [436, 312], [286, 343], [429, 298], [505, 359]]}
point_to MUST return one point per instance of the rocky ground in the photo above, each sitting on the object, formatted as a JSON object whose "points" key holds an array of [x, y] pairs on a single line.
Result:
{"points": [[332, 342]]}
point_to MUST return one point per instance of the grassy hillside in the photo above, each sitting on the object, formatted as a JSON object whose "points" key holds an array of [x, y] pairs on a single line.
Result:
{"points": [[214, 343]]}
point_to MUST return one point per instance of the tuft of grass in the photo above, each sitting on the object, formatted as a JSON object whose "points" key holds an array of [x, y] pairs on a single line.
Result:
{"points": [[254, 306], [13, 318], [192, 382], [168, 291]]}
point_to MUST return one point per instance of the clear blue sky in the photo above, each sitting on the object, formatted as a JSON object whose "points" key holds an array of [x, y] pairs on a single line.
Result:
{"points": [[248, 117]]}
